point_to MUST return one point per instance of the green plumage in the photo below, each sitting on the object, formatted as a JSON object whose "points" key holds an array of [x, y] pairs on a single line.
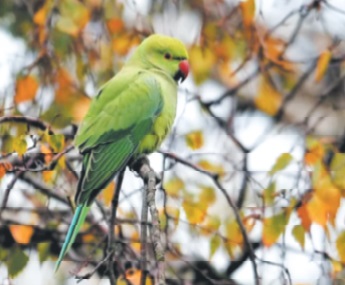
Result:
{"points": [[131, 114]]}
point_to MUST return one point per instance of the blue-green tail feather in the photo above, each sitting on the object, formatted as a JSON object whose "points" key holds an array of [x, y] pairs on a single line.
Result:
{"points": [[78, 219]]}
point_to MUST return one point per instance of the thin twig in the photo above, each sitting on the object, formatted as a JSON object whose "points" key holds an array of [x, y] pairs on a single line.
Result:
{"points": [[114, 205]]}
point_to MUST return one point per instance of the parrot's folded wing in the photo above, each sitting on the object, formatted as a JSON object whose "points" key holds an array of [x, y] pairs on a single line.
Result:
{"points": [[113, 130]]}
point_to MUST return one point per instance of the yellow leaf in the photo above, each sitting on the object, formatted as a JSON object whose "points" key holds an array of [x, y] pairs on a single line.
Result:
{"points": [[20, 145], [326, 197], [340, 243], [66, 25], [48, 175], [201, 61], [273, 228], [215, 243], [56, 142], [21, 233], [74, 17], [195, 140], [234, 237], [298, 233], [174, 186], [195, 214], [135, 241], [210, 225], [123, 43], [337, 267], [338, 170], [211, 167], [315, 152], [269, 99], [26, 88], [207, 196], [173, 214], [281, 163], [107, 194], [248, 11], [322, 64]]}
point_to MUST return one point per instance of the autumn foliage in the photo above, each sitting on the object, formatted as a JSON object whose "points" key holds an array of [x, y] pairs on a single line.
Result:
{"points": [[255, 162]]}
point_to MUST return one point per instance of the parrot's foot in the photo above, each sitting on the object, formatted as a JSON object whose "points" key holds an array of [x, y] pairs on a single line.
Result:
{"points": [[141, 165], [138, 161]]}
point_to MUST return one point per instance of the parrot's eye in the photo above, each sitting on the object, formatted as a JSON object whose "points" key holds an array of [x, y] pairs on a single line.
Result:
{"points": [[167, 56]]}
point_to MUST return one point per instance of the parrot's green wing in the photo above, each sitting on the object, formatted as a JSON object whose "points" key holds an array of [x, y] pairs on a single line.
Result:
{"points": [[118, 119]]}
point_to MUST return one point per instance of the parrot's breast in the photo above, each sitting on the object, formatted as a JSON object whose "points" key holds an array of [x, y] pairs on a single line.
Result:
{"points": [[163, 122]]}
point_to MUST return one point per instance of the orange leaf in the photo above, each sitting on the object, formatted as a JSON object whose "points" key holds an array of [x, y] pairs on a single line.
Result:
{"points": [[63, 78], [269, 99], [40, 16], [317, 211], [21, 233], [195, 140], [26, 88], [325, 202], [322, 64], [4, 167], [80, 109], [133, 277], [248, 11], [316, 151], [273, 49], [115, 25], [107, 194], [304, 216], [48, 154]]}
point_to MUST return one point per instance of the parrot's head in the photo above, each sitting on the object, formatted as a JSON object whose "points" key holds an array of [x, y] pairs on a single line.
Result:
{"points": [[166, 54]]}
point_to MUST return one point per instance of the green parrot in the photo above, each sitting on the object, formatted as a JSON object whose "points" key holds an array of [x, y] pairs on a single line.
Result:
{"points": [[131, 115]]}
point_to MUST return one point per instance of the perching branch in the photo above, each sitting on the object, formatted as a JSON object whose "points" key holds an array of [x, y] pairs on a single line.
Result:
{"points": [[142, 167]]}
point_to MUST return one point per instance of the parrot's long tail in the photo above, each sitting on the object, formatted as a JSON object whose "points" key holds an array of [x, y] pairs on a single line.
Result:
{"points": [[78, 219]]}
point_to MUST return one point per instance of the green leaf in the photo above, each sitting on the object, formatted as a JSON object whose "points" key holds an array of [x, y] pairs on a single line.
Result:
{"points": [[16, 262], [215, 243], [274, 227], [3, 254], [340, 243], [43, 251], [282, 162], [269, 194], [298, 233]]}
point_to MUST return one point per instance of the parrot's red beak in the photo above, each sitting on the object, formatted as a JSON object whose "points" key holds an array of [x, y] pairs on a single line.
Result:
{"points": [[183, 71]]}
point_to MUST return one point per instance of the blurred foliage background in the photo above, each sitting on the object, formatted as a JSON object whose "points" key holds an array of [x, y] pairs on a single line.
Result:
{"points": [[253, 173]]}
